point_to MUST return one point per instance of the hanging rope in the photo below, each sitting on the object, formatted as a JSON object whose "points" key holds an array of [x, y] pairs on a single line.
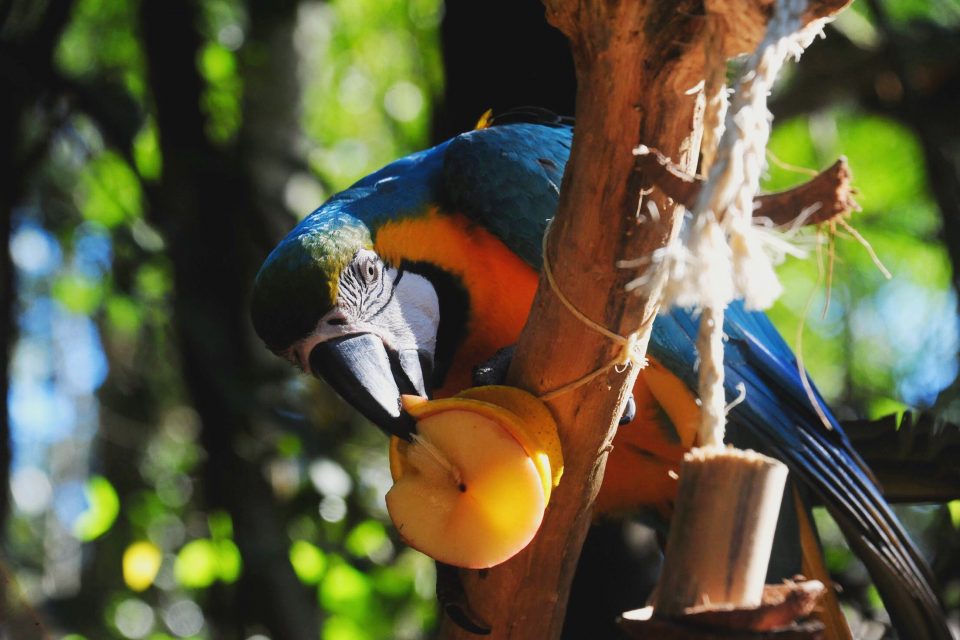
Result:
{"points": [[721, 254]]}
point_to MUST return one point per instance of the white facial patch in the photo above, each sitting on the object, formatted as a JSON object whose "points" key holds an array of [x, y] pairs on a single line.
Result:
{"points": [[400, 308]]}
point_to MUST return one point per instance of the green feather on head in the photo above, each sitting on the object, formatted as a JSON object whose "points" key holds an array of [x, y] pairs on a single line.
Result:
{"points": [[297, 283]]}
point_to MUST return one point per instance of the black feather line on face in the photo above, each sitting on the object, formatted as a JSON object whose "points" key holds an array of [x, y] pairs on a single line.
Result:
{"points": [[454, 314], [393, 292]]}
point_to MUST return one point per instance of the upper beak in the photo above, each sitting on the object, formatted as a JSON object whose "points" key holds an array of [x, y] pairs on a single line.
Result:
{"points": [[371, 379]]}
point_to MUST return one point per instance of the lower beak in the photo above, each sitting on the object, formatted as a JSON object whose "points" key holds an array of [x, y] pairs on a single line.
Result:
{"points": [[371, 379]]}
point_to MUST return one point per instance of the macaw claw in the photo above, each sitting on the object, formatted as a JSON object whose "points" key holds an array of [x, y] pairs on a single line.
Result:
{"points": [[453, 600], [494, 371], [629, 411]]}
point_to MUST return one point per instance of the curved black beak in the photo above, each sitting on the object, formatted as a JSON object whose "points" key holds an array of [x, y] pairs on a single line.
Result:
{"points": [[371, 378]]}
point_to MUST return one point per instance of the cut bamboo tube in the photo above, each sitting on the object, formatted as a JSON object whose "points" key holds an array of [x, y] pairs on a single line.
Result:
{"points": [[722, 530]]}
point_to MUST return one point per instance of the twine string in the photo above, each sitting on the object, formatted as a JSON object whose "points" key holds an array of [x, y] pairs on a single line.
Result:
{"points": [[628, 352]]}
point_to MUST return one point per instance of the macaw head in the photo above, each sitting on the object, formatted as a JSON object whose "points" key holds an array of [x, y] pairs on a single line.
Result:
{"points": [[327, 302]]}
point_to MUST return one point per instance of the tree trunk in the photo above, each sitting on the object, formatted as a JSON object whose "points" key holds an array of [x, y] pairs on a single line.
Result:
{"points": [[206, 213]]}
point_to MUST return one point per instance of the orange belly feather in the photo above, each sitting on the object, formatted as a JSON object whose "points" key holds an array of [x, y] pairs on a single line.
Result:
{"points": [[641, 469]]}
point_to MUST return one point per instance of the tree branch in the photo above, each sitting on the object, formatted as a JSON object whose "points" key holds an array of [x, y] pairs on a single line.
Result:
{"points": [[826, 196]]}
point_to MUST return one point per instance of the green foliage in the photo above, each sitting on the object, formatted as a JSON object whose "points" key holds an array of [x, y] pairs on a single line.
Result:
{"points": [[373, 69], [101, 513], [852, 353], [146, 152], [308, 561], [202, 562], [102, 39], [109, 192], [221, 99], [78, 293]]}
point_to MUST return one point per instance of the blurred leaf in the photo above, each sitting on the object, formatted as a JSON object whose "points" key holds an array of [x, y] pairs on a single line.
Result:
{"points": [[393, 581], [289, 445], [343, 628], [146, 152], [954, 508], [79, 294], [101, 39], [197, 564], [153, 282], [123, 314], [104, 505], [221, 97], [345, 590], [229, 561], [203, 561], [367, 538], [109, 192], [220, 524], [217, 63], [141, 563], [308, 561]]}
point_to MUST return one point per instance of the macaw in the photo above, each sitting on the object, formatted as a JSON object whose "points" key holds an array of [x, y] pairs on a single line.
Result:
{"points": [[407, 280]]}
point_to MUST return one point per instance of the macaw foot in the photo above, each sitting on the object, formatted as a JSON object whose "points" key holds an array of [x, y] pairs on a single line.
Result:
{"points": [[494, 371], [453, 600]]}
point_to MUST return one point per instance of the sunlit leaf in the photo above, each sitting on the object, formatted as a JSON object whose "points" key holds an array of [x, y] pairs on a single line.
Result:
{"points": [[103, 508], [78, 293], [344, 589], [343, 628], [146, 152], [954, 508], [309, 562], [367, 538], [221, 98], [141, 563], [197, 564], [229, 561], [109, 191]]}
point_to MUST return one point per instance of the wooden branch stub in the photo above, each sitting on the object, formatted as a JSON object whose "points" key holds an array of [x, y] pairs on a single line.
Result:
{"points": [[781, 615], [722, 530], [825, 197], [744, 23], [830, 191]]}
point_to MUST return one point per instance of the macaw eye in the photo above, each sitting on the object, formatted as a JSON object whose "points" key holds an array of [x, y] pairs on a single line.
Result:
{"points": [[370, 271]]}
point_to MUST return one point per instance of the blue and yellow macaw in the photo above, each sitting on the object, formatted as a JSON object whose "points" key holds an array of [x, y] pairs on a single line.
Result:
{"points": [[417, 273]]}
